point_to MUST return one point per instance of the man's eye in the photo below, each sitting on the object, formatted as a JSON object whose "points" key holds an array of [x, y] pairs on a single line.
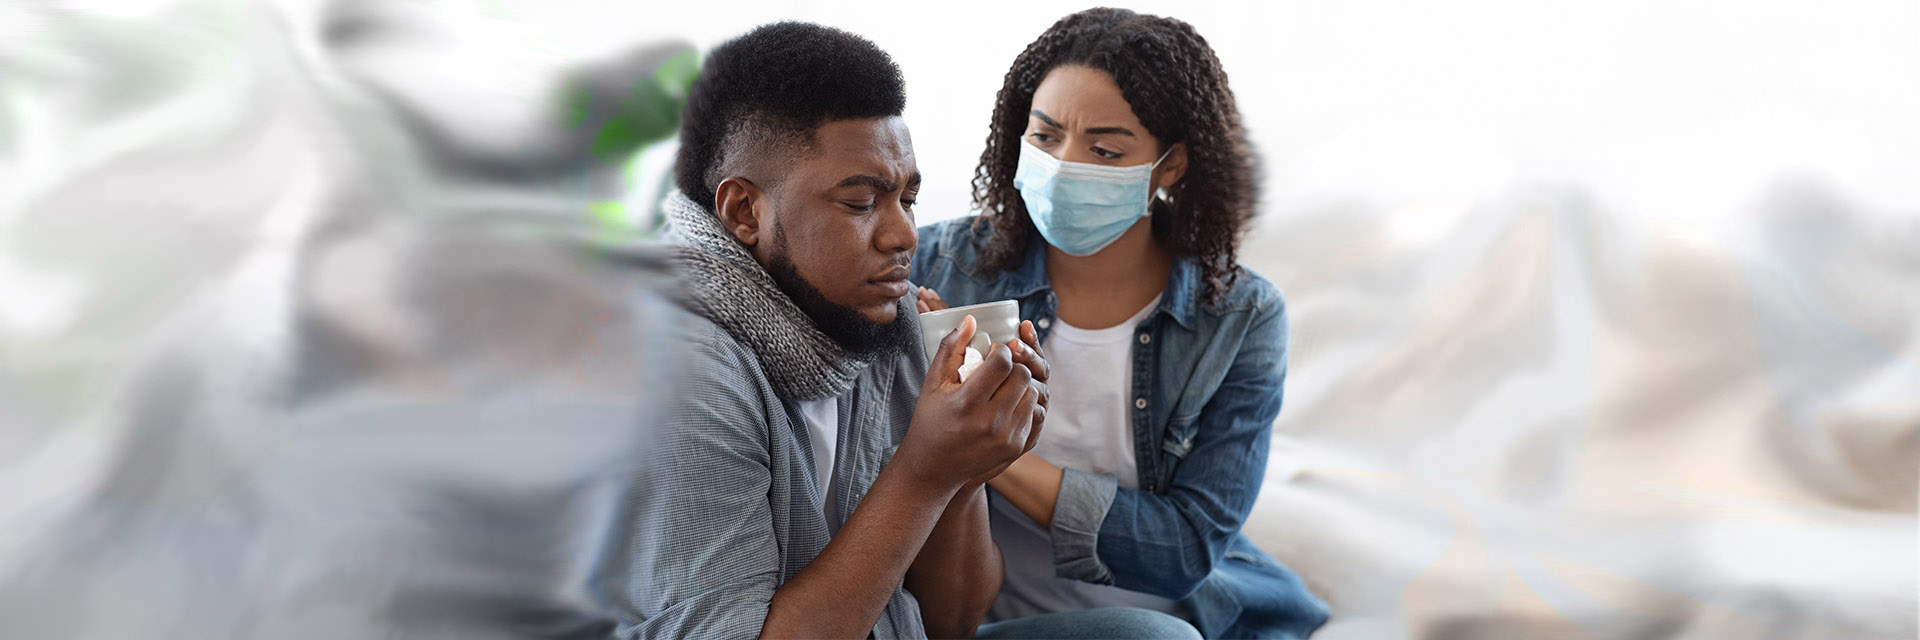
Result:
{"points": [[908, 202], [862, 207], [1105, 153]]}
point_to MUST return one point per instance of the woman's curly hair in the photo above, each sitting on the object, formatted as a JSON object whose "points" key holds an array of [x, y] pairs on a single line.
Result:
{"points": [[1174, 83]]}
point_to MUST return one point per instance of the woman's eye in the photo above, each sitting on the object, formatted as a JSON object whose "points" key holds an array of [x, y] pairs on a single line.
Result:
{"points": [[1105, 153], [1040, 137]]}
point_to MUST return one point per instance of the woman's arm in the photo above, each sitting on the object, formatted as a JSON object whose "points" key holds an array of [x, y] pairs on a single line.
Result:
{"points": [[1032, 485], [1166, 544]]}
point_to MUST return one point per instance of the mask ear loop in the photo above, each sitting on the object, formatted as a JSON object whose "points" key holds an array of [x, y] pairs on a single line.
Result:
{"points": [[1160, 193]]}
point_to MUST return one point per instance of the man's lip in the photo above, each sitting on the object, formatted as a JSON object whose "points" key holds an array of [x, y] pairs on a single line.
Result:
{"points": [[894, 288], [897, 273]]}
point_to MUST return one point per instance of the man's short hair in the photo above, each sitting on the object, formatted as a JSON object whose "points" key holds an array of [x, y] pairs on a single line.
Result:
{"points": [[765, 93]]}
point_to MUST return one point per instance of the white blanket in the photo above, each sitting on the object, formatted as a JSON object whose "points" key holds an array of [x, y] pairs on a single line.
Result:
{"points": [[1555, 418]]}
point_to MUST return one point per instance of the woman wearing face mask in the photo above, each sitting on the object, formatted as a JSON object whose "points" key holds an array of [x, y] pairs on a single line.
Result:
{"points": [[1113, 190]]}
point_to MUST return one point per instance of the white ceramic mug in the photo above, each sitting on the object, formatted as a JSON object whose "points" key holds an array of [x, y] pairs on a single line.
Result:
{"points": [[996, 323]]}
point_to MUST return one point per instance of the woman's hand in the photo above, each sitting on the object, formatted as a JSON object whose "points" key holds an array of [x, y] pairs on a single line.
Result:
{"points": [[929, 300]]}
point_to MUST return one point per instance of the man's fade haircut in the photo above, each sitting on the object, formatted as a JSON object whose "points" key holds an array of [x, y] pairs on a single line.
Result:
{"points": [[766, 92]]}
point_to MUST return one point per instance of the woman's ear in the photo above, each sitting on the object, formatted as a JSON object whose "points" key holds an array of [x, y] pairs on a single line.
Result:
{"points": [[739, 204], [1172, 169]]}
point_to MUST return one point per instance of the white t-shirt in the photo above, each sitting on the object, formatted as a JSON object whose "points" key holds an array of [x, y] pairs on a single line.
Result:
{"points": [[1088, 429], [823, 427]]}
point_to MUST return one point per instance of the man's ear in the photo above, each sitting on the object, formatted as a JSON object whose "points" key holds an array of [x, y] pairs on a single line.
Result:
{"points": [[1172, 169], [740, 205]]}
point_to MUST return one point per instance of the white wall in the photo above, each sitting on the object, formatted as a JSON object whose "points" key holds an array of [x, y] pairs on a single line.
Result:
{"points": [[1398, 102]]}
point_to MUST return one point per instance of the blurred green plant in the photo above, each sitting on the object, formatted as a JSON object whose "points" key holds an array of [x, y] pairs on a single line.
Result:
{"points": [[648, 113], [644, 114]]}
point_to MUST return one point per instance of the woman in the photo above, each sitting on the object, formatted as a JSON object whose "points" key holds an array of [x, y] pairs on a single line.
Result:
{"points": [[1114, 187]]}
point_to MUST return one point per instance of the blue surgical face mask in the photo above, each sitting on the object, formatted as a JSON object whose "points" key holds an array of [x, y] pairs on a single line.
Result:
{"points": [[1081, 208]]}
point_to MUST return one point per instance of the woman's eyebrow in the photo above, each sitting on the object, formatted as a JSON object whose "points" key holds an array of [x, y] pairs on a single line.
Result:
{"points": [[1092, 131]]}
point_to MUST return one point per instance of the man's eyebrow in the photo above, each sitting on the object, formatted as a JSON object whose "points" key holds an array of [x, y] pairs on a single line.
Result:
{"points": [[877, 183], [914, 182]]}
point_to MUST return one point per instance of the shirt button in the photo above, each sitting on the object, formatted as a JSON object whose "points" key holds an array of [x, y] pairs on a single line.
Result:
{"points": [[1144, 339], [1139, 403], [1043, 323]]}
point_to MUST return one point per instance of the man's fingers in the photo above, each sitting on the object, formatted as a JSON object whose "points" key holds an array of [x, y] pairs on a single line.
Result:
{"points": [[1023, 420], [1024, 353], [1030, 335], [986, 379], [1039, 424], [1019, 382], [945, 366]]}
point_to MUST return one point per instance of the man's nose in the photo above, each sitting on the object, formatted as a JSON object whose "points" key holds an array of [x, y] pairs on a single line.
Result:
{"points": [[896, 233]]}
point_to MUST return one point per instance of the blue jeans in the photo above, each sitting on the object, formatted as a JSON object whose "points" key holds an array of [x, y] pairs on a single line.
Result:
{"points": [[1103, 624]]}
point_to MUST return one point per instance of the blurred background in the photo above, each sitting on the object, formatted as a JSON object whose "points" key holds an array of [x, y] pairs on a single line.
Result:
{"points": [[1606, 316]]}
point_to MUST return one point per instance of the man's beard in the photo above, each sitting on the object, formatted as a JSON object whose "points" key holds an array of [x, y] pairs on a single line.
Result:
{"points": [[852, 330]]}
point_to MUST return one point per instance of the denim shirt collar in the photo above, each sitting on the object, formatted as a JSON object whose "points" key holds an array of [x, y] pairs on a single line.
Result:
{"points": [[1031, 277], [1177, 302]]}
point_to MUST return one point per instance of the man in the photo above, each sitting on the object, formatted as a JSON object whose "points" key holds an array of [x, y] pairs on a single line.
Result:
{"points": [[818, 479]]}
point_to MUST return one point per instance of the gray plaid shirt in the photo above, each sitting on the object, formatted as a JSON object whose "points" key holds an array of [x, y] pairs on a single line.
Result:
{"points": [[725, 508]]}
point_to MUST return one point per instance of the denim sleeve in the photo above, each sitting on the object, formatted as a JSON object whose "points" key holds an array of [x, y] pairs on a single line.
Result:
{"points": [[699, 555], [1077, 513], [926, 246], [1167, 544]]}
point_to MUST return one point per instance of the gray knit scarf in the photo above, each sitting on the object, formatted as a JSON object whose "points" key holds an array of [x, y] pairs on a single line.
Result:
{"points": [[735, 292]]}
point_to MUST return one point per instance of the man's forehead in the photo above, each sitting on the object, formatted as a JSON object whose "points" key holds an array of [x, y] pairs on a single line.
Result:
{"points": [[880, 146]]}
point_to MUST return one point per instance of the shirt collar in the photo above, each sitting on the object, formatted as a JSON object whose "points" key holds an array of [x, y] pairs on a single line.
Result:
{"points": [[1176, 301], [1031, 276], [1183, 285]]}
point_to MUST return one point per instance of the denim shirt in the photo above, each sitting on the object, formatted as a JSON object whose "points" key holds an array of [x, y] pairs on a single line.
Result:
{"points": [[1206, 390]]}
